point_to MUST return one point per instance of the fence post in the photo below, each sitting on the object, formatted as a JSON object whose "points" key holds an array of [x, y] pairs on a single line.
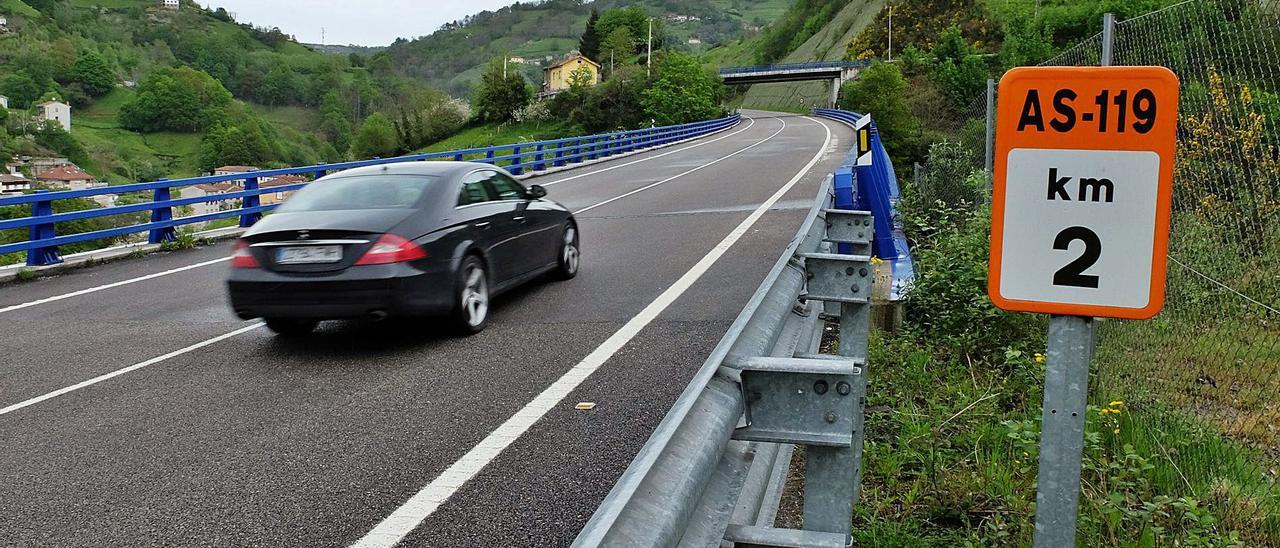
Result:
{"points": [[558, 162], [577, 151], [517, 162], [42, 256], [248, 219], [539, 165], [991, 135], [1108, 38], [161, 214]]}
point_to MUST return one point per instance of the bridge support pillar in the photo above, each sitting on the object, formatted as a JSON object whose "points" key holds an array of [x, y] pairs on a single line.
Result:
{"points": [[835, 92]]}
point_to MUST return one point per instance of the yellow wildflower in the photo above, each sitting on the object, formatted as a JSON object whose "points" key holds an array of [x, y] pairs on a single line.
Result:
{"points": [[1039, 357], [1117, 403], [1117, 431]]}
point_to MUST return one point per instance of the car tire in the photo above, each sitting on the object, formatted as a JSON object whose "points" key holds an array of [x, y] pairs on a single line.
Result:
{"points": [[291, 328], [471, 307], [568, 254]]}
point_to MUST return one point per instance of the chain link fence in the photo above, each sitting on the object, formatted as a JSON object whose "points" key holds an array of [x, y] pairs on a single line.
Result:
{"points": [[1200, 384]]}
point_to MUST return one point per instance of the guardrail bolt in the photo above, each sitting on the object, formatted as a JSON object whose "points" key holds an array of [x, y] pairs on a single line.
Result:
{"points": [[831, 417], [843, 388], [862, 272], [854, 288], [848, 271], [866, 222], [820, 387]]}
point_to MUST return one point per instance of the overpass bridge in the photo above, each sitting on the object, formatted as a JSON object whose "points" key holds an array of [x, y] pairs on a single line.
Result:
{"points": [[837, 72]]}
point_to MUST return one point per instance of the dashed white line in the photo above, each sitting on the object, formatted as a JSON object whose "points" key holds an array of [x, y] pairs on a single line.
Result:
{"points": [[121, 371], [408, 516]]}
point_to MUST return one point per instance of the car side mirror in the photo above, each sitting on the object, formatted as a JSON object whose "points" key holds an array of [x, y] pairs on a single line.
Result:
{"points": [[536, 191]]}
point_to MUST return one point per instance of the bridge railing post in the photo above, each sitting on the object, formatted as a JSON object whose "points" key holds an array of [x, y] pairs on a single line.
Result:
{"points": [[248, 219], [47, 255], [160, 214], [538, 164], [517, 163]]}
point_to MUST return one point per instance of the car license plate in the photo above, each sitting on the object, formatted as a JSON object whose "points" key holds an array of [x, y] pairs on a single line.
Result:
{"points": [[309, 254]]}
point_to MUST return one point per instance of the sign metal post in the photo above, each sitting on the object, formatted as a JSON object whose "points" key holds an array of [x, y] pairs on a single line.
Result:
{"points": [[1081, 201]]}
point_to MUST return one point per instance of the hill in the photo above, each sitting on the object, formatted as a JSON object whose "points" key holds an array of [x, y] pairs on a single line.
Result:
{"points": [[453, 57], [286, 103]]}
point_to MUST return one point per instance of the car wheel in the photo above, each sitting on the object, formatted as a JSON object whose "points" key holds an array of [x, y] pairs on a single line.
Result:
{"points": [[472, 308], [291, 328], [568, 255]]}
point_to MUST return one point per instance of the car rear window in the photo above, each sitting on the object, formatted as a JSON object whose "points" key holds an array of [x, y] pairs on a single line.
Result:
{"points": [[360, 192]]}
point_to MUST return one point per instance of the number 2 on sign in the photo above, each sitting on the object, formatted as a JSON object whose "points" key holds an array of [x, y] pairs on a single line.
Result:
{"points": [[1073, 274], [1143, 106]]}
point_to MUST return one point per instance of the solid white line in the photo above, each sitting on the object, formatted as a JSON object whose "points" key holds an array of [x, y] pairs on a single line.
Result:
{"points": [[751, 121], [122, 371], [108, 286], [408, 516], [669, 179], [655, 156]]}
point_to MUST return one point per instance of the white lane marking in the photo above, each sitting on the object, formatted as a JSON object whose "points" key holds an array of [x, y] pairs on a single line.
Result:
{"points": [[122, 371], [408, 516], [655, 156], [109, 286], [672, 178], [215, 261]]}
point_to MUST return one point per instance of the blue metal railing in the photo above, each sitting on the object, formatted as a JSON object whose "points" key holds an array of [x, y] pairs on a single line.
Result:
{"points": [[874, 188], [794, 66], [519, 158]]}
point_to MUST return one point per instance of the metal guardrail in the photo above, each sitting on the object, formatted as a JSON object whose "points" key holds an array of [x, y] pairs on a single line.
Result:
{"points": [[713, 470], [794, 66], [41, 247]]}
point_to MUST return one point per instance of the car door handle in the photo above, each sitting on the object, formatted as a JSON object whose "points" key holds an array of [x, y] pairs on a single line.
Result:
{"points": [[519, 219], [482, 225]]}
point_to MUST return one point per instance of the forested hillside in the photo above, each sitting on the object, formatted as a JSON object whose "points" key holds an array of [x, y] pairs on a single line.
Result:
{"points": [[164, 93], [453, 57]]}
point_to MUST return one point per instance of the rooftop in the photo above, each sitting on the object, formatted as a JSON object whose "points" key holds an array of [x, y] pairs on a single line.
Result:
{"points": [[64, 173]]}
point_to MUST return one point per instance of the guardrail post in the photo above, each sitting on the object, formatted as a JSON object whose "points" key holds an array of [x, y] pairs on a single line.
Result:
{"points": [[161, 214], [577, 150], [42, 256], [517, 163], [488, 156], [538, 164], [248, 219], [457, 157], [592, 147], [558, 162]]}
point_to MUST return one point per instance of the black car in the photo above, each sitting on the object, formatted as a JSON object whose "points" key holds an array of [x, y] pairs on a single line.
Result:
{"points": [[412, 239]]}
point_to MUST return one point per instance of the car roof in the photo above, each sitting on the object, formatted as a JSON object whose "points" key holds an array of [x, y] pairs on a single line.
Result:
{"points": [[439, 169]]}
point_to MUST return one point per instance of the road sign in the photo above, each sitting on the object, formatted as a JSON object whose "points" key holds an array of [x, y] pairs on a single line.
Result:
{"points": [[1082, 191], [863, 128]]}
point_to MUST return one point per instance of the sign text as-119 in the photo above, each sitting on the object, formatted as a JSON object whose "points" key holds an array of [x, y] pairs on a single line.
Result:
{"points": [[1083, 186]]}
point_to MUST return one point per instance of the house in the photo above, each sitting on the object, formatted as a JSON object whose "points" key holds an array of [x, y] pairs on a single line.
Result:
{"points": [[56, 110], [517, 60], [39, 165], [268, 198], [233, 170], [4, 23], [13, 184], [169, 4], [68, 177], [694, 40], [558, 76], [4, 101], [213, 205]]}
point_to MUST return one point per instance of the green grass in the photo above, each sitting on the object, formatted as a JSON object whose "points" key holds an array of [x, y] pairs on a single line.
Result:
{"points": [[299, 118], [112, 4], [490, 135], [18, 7]]}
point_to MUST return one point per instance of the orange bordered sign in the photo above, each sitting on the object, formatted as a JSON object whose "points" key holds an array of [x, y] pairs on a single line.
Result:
{"points": [[1082, 190]]}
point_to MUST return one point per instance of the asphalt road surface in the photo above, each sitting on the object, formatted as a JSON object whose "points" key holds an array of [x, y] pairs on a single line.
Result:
{"points": [[136, 410]]}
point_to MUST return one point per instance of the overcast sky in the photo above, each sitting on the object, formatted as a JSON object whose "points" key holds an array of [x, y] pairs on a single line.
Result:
{"points": [[362, 22]]}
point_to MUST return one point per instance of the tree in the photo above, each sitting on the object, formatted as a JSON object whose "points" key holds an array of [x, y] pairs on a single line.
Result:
{"points": [[377, 137], [244, 144], [498, 96], [684, 91], [178, 99], [960, 73], [21, 89], [618, 48], [881, 91], [93, 74], [589, 44], [634, 19], [279, 87]]}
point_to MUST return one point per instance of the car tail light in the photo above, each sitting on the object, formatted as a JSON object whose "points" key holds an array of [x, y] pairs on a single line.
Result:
{"points": [[392, 249], [242, 256]]}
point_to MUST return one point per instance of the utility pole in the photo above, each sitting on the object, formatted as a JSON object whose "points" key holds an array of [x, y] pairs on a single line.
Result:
{"points": [[891, 33], [648, 65]]}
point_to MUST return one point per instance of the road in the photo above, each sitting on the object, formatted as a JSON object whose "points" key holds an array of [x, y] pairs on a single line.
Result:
{"points": [[136, 410]]}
